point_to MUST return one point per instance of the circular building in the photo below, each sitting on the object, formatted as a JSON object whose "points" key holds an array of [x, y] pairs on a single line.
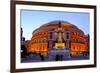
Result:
{"points": [[60, 36]]}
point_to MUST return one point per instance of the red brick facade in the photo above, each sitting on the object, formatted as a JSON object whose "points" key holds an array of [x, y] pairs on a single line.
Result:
{"points": [[46, 36]]}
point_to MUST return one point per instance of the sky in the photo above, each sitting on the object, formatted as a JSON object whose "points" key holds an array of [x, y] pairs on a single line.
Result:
{"points": [[32, 19]]}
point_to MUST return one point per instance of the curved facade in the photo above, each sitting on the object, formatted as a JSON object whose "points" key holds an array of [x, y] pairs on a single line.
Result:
{"points": [[58, 35]]}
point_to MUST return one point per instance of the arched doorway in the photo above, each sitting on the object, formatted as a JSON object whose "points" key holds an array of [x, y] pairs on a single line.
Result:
{"points": [[58, 57]]}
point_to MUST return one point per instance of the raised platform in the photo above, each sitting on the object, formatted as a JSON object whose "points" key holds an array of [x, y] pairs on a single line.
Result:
{"points": [[57, 54]]}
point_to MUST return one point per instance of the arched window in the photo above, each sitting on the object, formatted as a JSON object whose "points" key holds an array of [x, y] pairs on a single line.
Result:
{"points": [[51, 35], [67, 35]]}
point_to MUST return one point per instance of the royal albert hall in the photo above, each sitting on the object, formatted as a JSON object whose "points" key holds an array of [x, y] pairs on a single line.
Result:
{"points": [[58, 37]]}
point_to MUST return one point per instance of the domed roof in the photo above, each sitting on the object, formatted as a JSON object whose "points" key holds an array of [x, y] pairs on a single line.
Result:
{"points": [[57, 24]]}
